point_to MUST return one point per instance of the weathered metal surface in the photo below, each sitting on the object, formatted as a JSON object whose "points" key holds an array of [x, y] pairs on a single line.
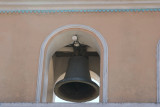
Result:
{"points": [[77, 85]]}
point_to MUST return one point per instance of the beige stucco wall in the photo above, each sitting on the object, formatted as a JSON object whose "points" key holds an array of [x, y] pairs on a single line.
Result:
{"points": [[132, 38]]}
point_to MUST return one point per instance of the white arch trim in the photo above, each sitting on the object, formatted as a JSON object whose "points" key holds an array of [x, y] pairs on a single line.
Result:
{"points": [[105, 59], [158, 72]]}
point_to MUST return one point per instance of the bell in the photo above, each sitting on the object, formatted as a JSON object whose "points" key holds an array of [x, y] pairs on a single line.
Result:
{"points": [[77, 85]]}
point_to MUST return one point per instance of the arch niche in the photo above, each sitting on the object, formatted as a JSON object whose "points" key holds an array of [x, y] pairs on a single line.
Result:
{"points": [[62, 37]]}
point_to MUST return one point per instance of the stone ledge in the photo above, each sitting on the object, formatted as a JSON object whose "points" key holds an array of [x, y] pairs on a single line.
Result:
{"points": [[79, 105]]}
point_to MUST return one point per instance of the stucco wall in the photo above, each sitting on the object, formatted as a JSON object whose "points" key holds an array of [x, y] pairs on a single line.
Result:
{"points": [[132, 38]]}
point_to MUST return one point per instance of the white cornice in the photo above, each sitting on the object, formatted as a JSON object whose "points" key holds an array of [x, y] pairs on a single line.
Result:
{"points": [[77, 4]]}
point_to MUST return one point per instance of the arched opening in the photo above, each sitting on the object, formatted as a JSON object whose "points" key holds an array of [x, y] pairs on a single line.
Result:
{"points": [[53, 43]]}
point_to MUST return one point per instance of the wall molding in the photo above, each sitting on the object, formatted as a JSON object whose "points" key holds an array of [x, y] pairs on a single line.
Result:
{"points": [[79, 105], [79, 11], [77, 4], [158, 72]]}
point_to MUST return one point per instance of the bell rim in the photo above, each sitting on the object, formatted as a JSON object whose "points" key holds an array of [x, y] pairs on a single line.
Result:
{"points": [[89, 82]]}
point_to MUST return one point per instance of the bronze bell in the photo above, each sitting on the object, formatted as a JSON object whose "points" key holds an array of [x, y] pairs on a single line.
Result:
{"points": [[77, 85]]}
